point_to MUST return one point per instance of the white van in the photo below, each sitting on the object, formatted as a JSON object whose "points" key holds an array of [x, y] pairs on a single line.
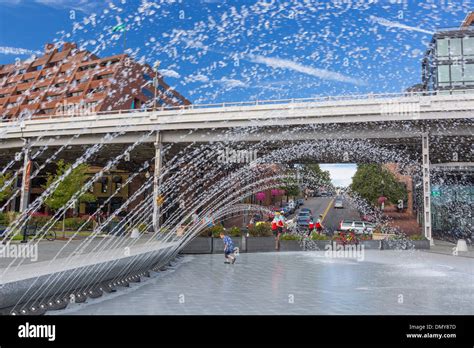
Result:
{"points": [[358, 227]]}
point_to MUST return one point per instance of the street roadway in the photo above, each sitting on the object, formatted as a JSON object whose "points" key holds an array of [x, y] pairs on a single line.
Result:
{"points": [[331, 217]]}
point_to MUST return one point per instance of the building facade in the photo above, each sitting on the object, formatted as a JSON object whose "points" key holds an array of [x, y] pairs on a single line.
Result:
{"points": [[66, 80], [448, 67], [448, 64]]}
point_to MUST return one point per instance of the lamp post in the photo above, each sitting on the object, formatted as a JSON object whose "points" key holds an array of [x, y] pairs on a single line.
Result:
{"points": [[155, 82]]}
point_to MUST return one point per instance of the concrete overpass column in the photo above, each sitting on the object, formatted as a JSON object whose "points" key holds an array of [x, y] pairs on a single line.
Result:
{"points": [[25, 182], [157, 199], [426, 187]]}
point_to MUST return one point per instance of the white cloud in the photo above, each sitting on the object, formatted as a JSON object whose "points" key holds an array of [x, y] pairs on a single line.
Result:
{"points": [[196, 78], [230, 83], [308, 70], [341, 174], [86, 6], [17, 51], [391, 24], [170, 73]]}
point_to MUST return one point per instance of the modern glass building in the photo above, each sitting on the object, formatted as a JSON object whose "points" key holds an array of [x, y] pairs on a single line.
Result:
{"points": [[452, 201], [449, 61], [448, 67]]}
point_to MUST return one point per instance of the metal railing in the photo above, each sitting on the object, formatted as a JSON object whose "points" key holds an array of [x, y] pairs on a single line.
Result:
{"points": [[281, 102], [459, 28]]}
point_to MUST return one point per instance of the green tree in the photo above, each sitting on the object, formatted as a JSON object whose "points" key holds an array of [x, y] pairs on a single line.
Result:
{"points": [[290, 185], [314, 175], [7, 191], [372, 181], [70, 185]]}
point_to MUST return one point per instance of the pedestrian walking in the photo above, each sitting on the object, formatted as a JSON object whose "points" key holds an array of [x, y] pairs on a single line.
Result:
{"points": [[229, 250]]}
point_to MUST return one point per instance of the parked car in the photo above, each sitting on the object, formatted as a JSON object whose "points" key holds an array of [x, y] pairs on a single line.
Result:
{"points": [[286, 210], [292, 205], [356, 226], [300, 202], [302, 214], [306, 209], [338, 203], [303, 220]]}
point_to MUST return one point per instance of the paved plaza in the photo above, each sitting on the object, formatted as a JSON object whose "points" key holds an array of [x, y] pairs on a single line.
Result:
{"points": [[384, 282]]}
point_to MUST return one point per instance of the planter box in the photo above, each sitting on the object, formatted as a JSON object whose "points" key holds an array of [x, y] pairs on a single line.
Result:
{"points": [[258, 244], [315, 245], [218, 247], [337, 245], [421, 244], [199, 245], [371, 244], [410, 244], [291, 245]]}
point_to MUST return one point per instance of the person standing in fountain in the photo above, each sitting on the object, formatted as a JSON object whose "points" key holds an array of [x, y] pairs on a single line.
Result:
{"points": [[228, 248], [277, 227], [319, 224], [310, 227]]}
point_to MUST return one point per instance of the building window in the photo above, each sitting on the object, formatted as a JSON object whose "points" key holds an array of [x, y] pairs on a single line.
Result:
{"points": [[147, 93], [469, 72], [104, 77], [468, 46], [455, 47], [103, 185], [443, 75], [117, 181], [456, 74], [74, 94]]}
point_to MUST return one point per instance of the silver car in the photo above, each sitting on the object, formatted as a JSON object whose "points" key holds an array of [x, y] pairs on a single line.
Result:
{"points": [[357, 226], [338, 204]]}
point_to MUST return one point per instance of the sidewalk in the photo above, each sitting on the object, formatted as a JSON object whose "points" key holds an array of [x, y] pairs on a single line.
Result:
{"points": [[406, 222], [446, 248]]}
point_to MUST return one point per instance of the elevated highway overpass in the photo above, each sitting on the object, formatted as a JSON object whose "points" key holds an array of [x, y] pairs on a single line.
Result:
{"points": [[416, 122]]}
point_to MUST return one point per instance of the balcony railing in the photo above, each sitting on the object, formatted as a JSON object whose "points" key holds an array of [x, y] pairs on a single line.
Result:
{"points": [[321, 99]]}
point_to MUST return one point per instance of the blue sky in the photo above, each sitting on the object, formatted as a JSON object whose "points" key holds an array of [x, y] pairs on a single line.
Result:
{"points": [[215, 51], [341, 173]]}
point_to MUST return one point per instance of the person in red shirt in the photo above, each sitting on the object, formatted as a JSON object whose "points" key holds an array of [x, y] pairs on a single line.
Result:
{"points": [[319, 224], [310, 227], [277, 228]]}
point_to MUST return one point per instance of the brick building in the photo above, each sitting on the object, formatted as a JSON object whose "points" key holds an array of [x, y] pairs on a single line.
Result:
{"points": [[69, 80]]}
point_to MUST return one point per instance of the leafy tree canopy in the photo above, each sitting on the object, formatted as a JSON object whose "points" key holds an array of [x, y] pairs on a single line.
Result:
{"points": [[6, 191], [71, 184], [315, 176], [372, 181]]}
